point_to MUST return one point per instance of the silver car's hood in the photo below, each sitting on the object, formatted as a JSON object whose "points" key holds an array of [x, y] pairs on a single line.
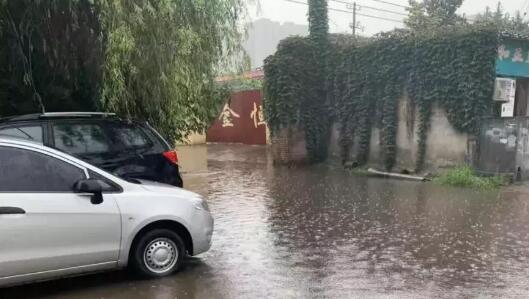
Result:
{"points": [[166, 189]]}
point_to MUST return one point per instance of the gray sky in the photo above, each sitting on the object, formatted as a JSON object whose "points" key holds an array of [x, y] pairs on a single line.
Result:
{"points": [[284, 11]]}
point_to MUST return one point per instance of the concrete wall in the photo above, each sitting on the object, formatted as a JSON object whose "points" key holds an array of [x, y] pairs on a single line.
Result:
{"points": [[194, 139], [288, 146], [445, 146], [192, 158]]}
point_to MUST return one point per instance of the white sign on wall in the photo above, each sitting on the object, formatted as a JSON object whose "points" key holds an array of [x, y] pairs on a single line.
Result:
{"points": [[505, 91], [507, 109]]}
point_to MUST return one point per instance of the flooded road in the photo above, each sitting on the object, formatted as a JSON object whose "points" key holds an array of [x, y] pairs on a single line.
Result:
{"points": [[317, 232]]}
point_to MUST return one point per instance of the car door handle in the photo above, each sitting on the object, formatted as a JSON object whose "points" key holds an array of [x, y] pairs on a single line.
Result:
{"points": [[11, 210]]}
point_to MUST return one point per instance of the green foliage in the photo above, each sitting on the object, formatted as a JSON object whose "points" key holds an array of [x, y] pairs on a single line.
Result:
{"points": [[162, 57], [433, 15], [503, 21], [154, 59], [315, 108], [289, 82], [319, 25], [464, 176], [51, 53], [296, 81], [240, 84], [373, 81], [430, 16], [462, 81], [454, 70], [439, 62]]}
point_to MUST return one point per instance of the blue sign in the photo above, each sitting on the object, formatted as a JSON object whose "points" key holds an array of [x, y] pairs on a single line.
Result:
{"points": [[513, 59]]}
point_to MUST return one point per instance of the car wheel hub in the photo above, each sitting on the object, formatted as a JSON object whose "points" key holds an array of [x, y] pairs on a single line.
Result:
{"points": [[160, 255]]}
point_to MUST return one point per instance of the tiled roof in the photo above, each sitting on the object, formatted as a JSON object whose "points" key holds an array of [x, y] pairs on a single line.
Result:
{"points": [[256, 74]]}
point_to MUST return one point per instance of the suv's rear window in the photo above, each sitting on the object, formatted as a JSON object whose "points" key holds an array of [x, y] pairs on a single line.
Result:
{"points": [[79, 139], [130, 136]]}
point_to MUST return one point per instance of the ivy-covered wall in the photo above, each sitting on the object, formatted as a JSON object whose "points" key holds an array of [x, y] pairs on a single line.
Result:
{"points": [[454, 71], [446, 146]]}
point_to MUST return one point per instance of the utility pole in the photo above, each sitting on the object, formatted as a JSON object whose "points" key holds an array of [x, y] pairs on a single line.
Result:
{"points": [[354, 19], [354, 7]]}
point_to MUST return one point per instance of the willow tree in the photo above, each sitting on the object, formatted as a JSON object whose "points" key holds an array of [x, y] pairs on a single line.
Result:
{"points": [[162, 57], [51, 56]]}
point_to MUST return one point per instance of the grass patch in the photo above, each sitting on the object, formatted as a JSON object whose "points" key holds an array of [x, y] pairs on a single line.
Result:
{"points": [[464, 176], [359, 171]]}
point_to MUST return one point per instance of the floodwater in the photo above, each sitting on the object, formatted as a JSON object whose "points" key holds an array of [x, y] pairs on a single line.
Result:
{"points": [[318, 232]]}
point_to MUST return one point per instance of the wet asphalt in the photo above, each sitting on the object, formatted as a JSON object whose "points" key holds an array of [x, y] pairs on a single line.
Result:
{"points": [[321, 232]]}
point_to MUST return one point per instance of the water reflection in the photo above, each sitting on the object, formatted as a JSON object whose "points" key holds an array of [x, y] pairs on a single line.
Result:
{"points": [[394, 237]]}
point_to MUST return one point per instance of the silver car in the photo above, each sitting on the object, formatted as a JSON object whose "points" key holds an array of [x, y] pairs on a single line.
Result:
{"points": [[60, 216]]}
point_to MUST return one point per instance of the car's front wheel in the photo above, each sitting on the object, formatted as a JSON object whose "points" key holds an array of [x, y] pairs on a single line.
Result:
{"points": [[158, 253]]}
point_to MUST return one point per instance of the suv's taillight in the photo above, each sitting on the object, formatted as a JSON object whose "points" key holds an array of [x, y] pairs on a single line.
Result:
{"points": [[171, 156]]}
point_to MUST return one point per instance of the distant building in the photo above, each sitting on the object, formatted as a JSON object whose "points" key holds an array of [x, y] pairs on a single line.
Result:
{"points": [[504, 138], [264, 35]]}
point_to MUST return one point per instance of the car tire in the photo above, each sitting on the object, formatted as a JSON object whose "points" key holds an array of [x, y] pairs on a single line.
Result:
{"points": [[158, 253]]}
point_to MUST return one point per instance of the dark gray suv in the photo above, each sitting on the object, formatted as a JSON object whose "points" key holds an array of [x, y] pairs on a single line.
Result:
{"points": [[128, 149]]}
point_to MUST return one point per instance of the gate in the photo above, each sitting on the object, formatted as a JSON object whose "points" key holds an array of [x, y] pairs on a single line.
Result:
{"points": [[241, 120]]}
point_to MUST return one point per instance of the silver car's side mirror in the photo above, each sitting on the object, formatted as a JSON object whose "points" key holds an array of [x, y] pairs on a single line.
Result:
{"points": [[94, 187]]}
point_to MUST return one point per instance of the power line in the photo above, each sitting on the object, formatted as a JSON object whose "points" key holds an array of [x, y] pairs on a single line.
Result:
{"points": [[391, 3], [365, 15], [380, 1], [298, 2], [384, 10], [372, 8], [349, 12], [380, 18]]}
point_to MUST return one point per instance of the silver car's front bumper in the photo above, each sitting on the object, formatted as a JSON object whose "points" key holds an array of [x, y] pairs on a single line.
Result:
{"points": [[202, 232]]}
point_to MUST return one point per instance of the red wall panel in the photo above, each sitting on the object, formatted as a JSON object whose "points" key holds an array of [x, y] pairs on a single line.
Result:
{"points": [[240, 121]]}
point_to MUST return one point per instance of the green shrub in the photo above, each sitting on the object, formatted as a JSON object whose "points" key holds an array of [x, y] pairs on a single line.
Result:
{"points": [[464, 176]]}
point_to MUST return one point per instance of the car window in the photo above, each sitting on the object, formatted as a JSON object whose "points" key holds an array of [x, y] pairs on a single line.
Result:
{"points": [[131, 136], [79, 139], [28, 171], [108, 185], [33, 133]]}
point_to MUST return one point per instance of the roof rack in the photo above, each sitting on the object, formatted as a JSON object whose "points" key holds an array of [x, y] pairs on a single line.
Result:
{"points": [[76, 114], [47, 115]]}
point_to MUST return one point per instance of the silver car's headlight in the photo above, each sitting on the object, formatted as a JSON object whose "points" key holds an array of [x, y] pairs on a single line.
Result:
{"points": [[200, 204]]}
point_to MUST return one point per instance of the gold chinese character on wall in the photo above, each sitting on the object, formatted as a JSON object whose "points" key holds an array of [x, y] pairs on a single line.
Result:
{"points": [[257, 115], [226, 116]]}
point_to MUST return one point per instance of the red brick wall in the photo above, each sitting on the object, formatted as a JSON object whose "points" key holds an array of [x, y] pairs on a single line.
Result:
{"points": [[239, 121]]}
